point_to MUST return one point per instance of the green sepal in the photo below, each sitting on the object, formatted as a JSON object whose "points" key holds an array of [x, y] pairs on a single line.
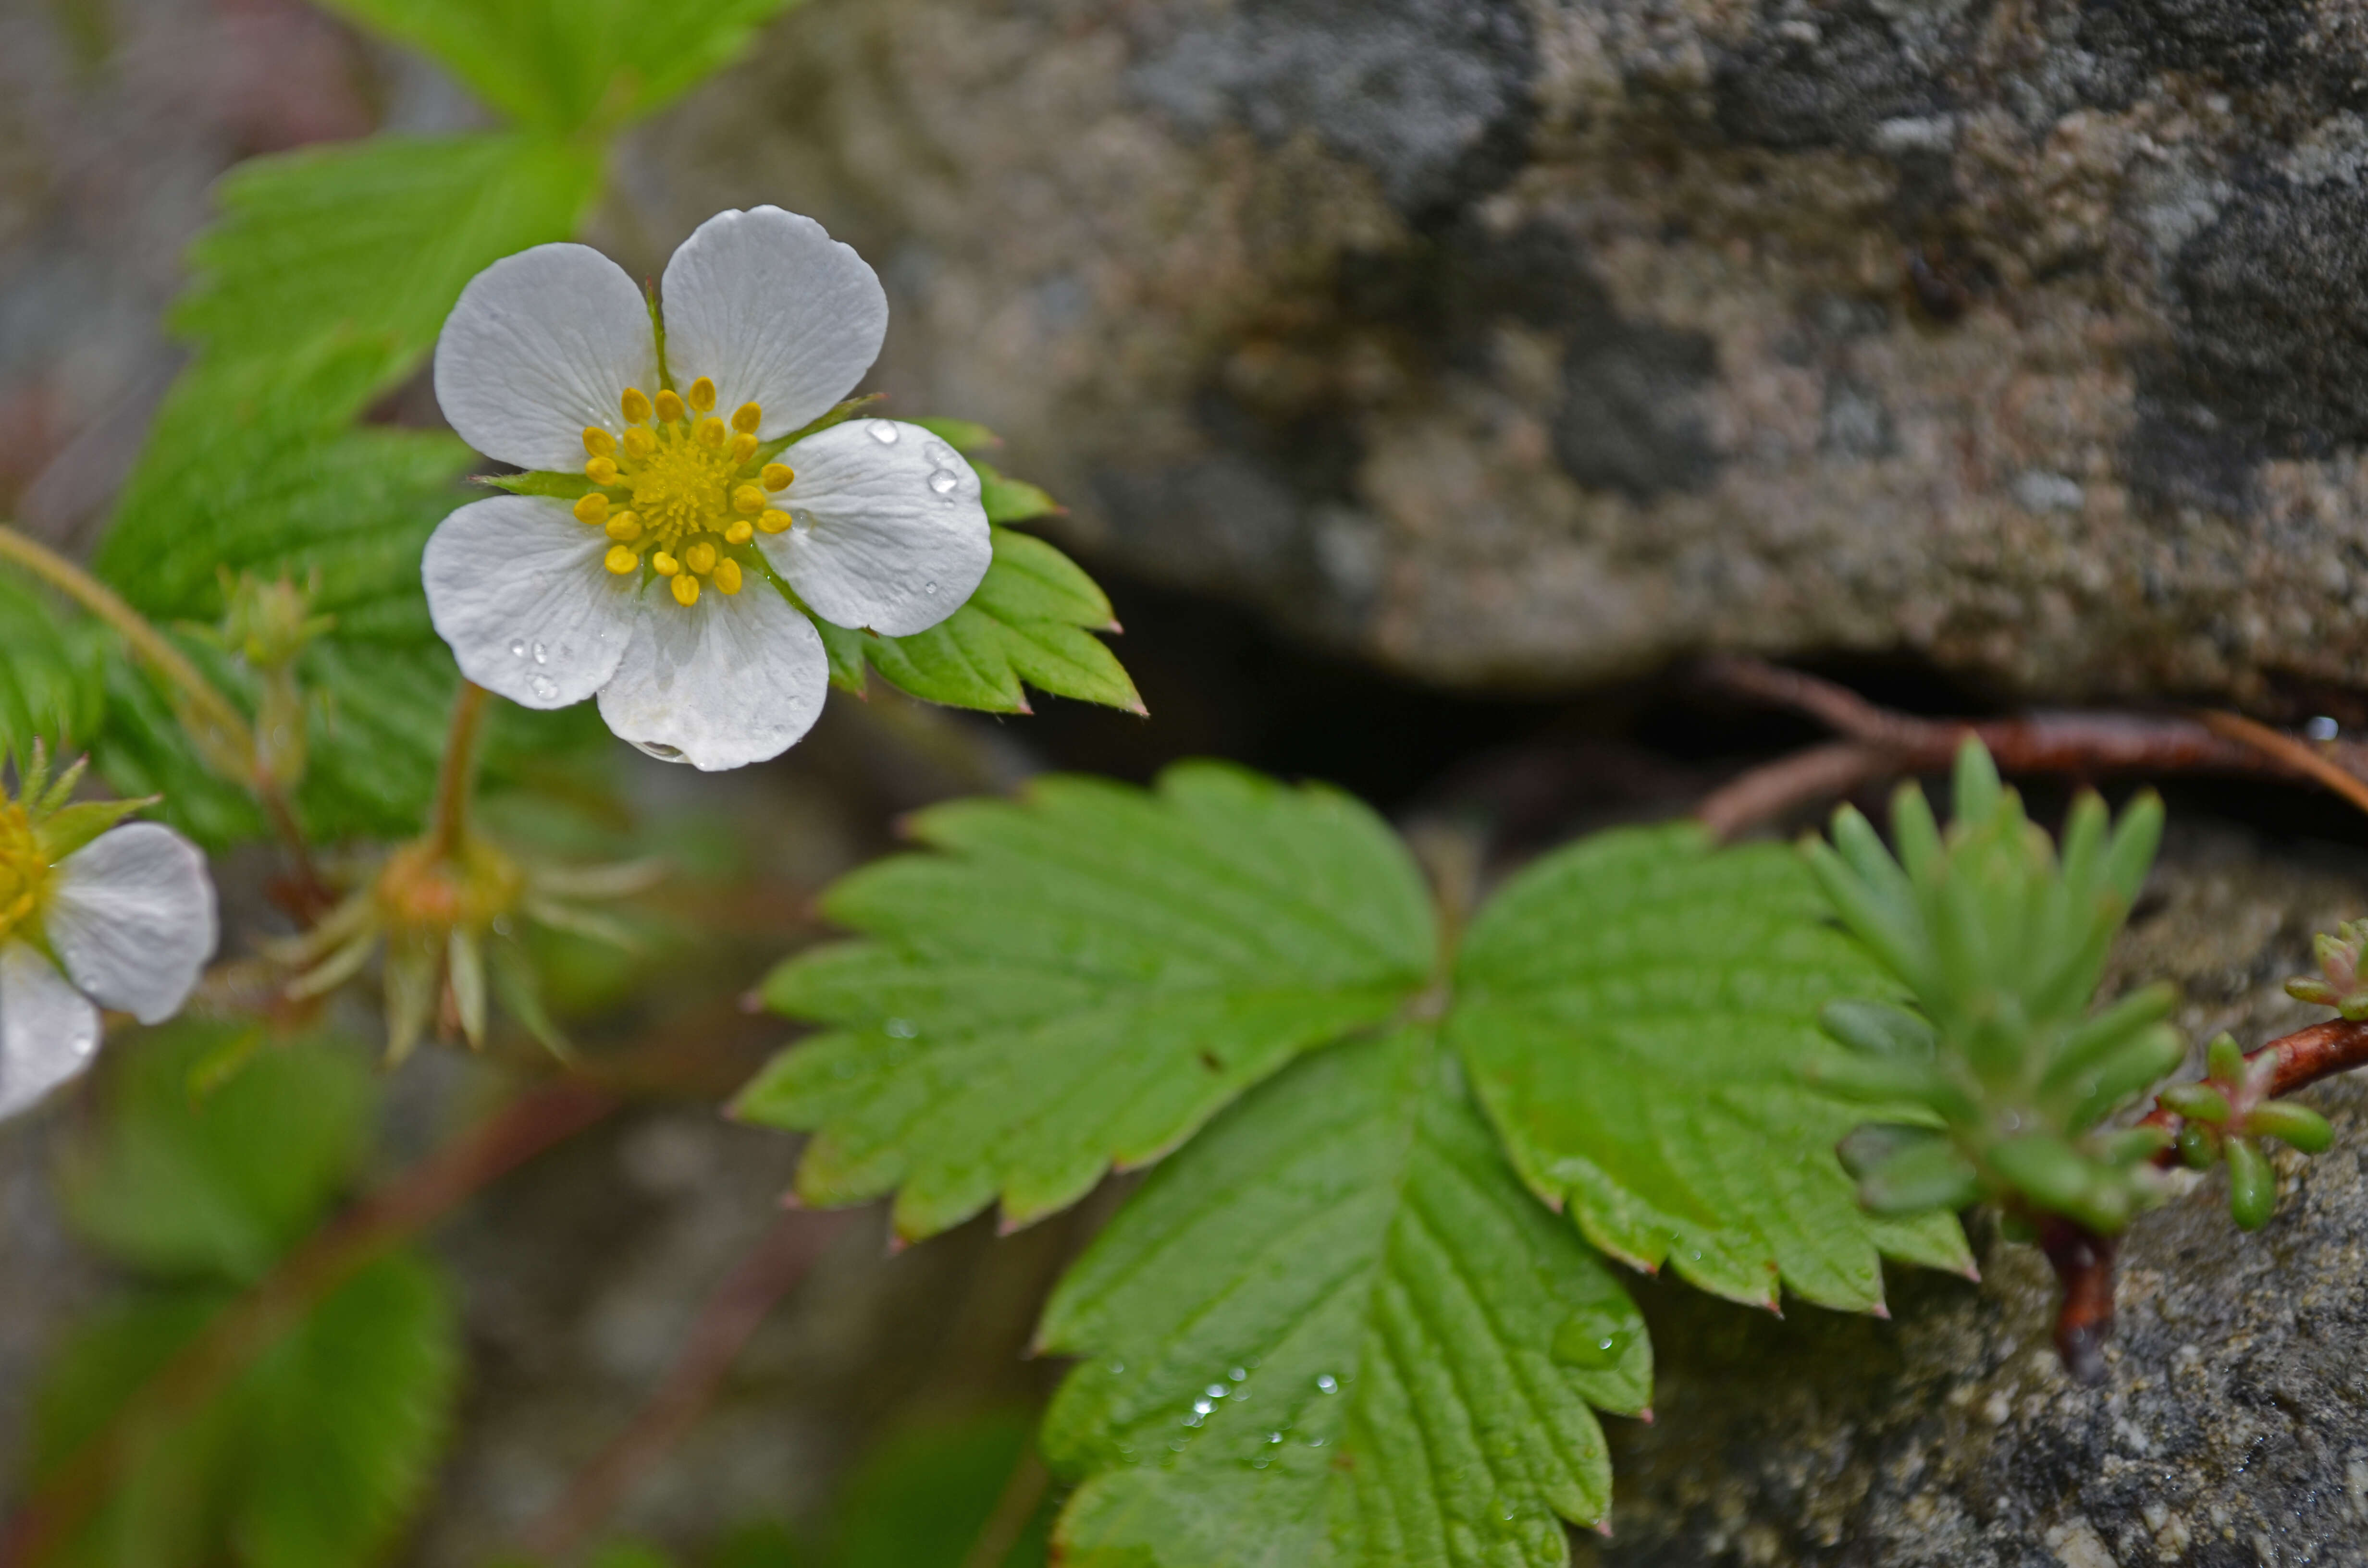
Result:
{"points": [[558, 486], [64, 832], [2252, 1183], [839, 414]]}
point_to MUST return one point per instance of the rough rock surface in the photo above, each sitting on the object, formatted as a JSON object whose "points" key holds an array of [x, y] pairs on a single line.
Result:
{"points": [[2233, 1428], [1526, 342]]}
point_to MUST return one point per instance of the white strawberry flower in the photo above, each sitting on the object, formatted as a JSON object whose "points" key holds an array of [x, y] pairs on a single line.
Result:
{"points": [[652, 592], [91, 915]]}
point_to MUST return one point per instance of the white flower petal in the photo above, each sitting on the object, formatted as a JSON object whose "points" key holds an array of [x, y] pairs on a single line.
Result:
{"points": [[49, 1032], [543, 344], [733, 679], [516, 587], [888, 535], [132, 916], [775, 312]]}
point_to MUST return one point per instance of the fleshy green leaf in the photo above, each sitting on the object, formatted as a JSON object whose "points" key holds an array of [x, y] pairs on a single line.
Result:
{"points": [[1030, 622], [222, 1187], [1325, 1333], [313, 1456], [373, 240], [1079, 979], [563, 64], [1637, 1011], [52, 670]]}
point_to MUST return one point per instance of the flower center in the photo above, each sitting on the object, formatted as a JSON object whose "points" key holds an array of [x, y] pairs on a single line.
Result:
{"points": [[682, 489], [24, 869]]}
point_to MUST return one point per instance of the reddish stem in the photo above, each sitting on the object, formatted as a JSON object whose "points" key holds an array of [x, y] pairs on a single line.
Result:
{"points": [[731, 1317], [521, 1129]]}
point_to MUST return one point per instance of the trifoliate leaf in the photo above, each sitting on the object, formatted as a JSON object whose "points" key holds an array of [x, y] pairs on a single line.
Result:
{"points": [[1326, 1333], [561, 66], [1030, 622], [52, 670], [1081, 978], [1638, 1011], [314, 1455], [218, 1187], [374, 239]]}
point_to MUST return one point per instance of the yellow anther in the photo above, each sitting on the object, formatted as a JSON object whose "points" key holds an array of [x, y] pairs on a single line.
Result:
{"points": [[728, 576], [702, 394], [669, 408], [746, 417], [597, 442], [625, 528], [592, 510], [778, 476], [744, 446], [686, 591], [749, 500], [711, 433], [666, 565], [699, 557], [601, 470], [639, 442], [740, 532], [637, 406], [620, 560], [773, 522]]}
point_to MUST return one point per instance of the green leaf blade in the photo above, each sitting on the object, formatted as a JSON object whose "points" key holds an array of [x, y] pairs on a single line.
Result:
{"points": [[1637, 1011], [1345, 1256], [1080, 978]]}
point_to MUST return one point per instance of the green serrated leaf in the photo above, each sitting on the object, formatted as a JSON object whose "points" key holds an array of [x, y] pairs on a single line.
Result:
{"points": [[559, 486], [1080, 978], [1325, 1333], [1636, 1010], [373, 240], [964, 435], [313, 1456], [1011, 500], [1028, 624], [562, 65], [52, 670], [218, 1188]]}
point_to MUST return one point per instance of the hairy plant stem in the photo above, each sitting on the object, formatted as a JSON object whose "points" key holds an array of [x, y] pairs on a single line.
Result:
{"points": [[456, 780], [222, 734]]}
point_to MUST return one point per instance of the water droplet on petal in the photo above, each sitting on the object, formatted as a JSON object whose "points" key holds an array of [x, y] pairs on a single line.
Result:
{"points": [[929, 588], [883, 432], [660, 750], [544, 688], [944, 481], [541, 655], [518, 649]]}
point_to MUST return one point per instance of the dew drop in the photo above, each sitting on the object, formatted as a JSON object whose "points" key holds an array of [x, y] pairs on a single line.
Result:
{"points": [[518, 649], [544, 688], [541, 655], [1116, 1368], [1239, 1374], [1329, 1384], [1274, 1436], [1202, 1406], [660, 750], [1216, 1391], [884, 431], [929, 588], [901, 1029], [944, 481]]}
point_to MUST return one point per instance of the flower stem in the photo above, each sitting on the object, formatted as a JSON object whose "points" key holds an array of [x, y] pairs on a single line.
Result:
{"points": [[457, 779], [209, 707]]}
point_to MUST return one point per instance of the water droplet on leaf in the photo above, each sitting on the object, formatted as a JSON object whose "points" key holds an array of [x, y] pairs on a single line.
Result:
{"points": [[1327, 1383]]}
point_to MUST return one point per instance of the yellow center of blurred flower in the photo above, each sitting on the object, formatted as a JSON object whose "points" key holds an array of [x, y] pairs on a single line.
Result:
{"points": [[681, 491], [23, 872]]}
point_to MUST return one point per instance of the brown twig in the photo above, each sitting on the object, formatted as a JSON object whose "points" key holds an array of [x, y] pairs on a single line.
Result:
{"points": [[2084, 1261], [1879, 742], [521, 1129], [725, 1325]]}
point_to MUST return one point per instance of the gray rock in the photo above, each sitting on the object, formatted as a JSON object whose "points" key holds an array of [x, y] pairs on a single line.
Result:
{"points": [[2233, 1427], [1616, 330]]}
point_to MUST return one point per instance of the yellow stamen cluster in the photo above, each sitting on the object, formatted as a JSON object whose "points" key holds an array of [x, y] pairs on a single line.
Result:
{"points": [[24, 869], [681, 489]]}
